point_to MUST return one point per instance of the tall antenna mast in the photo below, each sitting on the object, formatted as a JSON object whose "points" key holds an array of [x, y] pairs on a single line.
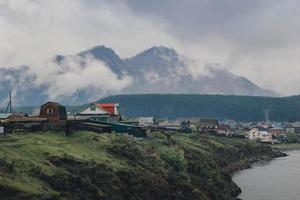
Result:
{"points": [[9, 105]]}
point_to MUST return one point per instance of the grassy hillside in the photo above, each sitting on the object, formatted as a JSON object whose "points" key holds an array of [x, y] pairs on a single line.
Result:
{"points": [[241, 108], [91, 166]]}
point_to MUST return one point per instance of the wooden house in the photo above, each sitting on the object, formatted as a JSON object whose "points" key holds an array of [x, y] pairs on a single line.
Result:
{"points": [[53, 112], [224, 129], [293, 128], [277, 132], [208, 125], [290, 129]]}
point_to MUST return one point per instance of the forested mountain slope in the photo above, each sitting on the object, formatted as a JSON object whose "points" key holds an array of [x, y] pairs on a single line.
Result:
{"points": [[241, 108]]}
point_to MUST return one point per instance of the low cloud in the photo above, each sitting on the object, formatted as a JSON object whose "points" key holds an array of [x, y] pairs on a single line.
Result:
{"points": [[35, 30], [16, 80], [257, 39], [74, 80], [75, 74]]}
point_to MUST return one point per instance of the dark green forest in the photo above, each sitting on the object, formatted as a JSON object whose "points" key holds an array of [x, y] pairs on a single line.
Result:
{"points": [[240, 108]]}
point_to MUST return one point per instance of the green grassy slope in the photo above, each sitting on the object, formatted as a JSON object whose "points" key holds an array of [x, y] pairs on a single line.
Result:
{"points": [[87, 165]]}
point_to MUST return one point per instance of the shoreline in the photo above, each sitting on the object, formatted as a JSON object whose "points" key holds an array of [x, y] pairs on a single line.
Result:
{"points": [[276, 153], [287, 147], [257, 181]]}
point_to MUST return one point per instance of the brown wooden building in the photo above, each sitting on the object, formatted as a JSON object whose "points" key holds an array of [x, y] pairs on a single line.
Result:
{"points": [[53, 111], [208, 125]]}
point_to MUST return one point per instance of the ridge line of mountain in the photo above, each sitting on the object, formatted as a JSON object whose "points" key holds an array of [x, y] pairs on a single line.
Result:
{"points": [[154, 70]]}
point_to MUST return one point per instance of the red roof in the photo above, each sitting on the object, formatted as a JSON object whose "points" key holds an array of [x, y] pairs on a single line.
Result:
{"points": [[107, 104], [109, 107]]}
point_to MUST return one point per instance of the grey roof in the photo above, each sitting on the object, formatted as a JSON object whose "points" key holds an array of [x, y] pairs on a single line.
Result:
{"points": [[277, 128], [261, 128], [289, 126], [296, 124], [213, 122], [5, 115]]}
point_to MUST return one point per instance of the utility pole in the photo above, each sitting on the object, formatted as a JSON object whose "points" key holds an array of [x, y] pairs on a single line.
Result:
{"points": [[9, 105]]}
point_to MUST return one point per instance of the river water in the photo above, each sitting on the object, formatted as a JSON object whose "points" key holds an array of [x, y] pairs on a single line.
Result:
{"points": [[278, 179]]}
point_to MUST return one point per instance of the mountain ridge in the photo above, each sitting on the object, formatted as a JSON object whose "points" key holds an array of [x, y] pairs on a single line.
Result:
{"points": [[155, 70]]}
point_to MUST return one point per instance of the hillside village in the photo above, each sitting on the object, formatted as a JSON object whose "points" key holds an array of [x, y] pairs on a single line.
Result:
{"points": [[149, 100], [105, 118], [101, 118]]}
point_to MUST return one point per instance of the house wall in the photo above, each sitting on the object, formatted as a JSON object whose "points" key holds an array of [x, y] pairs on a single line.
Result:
{"points": [[209, 128], [290, 130], [54, 116], [253, 134], [277, 132], [222, 132], [89, 111], [263, 136], [116, 110], [297, 129], [145, 121]]}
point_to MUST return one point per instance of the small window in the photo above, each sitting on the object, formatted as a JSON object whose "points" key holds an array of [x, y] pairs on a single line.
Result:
{"points": [[49, 111], [93, 108]]}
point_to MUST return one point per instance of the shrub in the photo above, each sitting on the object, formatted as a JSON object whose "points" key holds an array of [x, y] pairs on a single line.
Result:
{"points": [[35, 170], [293, 138], [11, 166], [174, 157]]}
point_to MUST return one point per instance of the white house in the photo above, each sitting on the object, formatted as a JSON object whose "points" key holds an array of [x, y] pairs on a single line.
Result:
{"points": [[103, 112], [170, 125], [146, 121], [93, 109], [259, 134]]}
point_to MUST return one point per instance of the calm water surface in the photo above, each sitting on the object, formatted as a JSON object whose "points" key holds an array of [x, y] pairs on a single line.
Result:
{"points": [[275, 180]]}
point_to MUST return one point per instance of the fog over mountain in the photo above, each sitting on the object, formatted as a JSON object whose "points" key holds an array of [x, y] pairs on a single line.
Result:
{"points": [[256, 39], [163, 70], [99, 71]]}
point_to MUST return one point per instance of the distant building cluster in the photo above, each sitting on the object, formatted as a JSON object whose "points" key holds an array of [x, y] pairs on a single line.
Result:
{"points": [[186, 125], [267, 132], [105, 117]]}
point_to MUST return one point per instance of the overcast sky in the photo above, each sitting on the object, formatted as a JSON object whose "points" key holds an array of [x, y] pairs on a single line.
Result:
{"points": [[258, 39]]}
